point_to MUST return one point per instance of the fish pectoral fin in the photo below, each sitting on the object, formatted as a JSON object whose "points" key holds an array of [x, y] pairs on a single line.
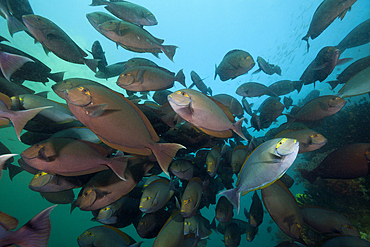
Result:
{"points": [[95, 111], [323, 106], [155, 201], [140, 75], [322, 66], [100, 193], [46, 50], [123, 32], [42, 155]]}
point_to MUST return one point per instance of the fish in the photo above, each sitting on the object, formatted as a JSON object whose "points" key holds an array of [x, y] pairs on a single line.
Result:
{"points": [[283, 209], [198, 82], [202, 111], [238, 156], [151, 223], [9, 63], [18, 118], [54, 39], [35, 232], [103, 189], [70, 83], [98, 53], [256, 122], [134, 38], [197, 225], [172, 233], [328, 222], [213, 160], [12, 89], [324, 15], [309, 140], [111, 70], [310, 96], [88, 104], [104, 236], [232, 236], [270, 109], [97, 18], [59, 197], [182, 168], [347, 162], [128, 11], [255, 214], [231, 103], [156, 195], [235, 63], [317, 109], [191, 197], [3, 159], [349, 72], [273, 158], [138, 61], [59, 156], [251, 232], [253, 89], [322, 66], [247, 107], [357, 85], [266, 67], [284, 87], [224, 210], [357, 37], [148, 78]]}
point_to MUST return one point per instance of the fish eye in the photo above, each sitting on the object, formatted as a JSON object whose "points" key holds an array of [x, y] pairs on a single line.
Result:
{"points": [[183, 93]]}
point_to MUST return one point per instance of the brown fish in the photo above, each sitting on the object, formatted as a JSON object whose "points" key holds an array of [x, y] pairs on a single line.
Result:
{"points": [[253, 89], [348, 162], [118, 123], [325, 14], [172, 233], [70, 157], [224, 210], [191, 197], [53, 38], [318, 108], [358, 36], [266, 67], [231, 103], [149, 78], [234, 64]]}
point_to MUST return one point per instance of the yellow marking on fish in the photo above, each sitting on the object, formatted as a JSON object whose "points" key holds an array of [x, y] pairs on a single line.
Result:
{"points": [[84, 90], [187, 201], [281, 142], [87, 193]]}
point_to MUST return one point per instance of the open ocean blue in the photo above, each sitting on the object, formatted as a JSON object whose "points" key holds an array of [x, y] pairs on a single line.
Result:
{"points": [[204, 31]]}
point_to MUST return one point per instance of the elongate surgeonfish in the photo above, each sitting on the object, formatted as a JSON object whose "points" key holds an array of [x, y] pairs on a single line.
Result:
{"points": [[267, 163], [283, 209], [118, 123], [53, 38], [59, 156], [224, 210], [358, 36], [156, 195], [198, 82], [172, 233], [35, 232], [235, 63], [347, 162], [191, 197], [232, 236], [106, 236], [325, 14], [205, 113]]}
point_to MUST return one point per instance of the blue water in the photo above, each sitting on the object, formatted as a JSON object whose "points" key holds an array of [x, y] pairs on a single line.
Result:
{"points": [[204, 31]]}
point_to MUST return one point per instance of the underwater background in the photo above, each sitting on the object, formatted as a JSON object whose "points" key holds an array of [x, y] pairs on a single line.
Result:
{"points": [[204, 31]]}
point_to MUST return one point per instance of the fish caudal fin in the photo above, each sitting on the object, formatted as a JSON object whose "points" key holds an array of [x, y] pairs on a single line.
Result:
{"points": [[92, 64], [119, 165], [169, 50], [57, 77], [14, 25], [237, 128], [36, 232], [180, 77], [309, 176], [3, 159], [233, 196], [98, 2], [165, 152], [9, 63], [20, 118]]}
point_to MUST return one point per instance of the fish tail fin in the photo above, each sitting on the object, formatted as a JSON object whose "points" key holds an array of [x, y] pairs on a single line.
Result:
{"points": [[20, 118], [119, 165], [333, 84], [36, 232], [309, 176], [165, 152], [305, 38], [3, 159], [57, 77], [298, 85], [237, 128], [9, 63], [92, 64], [98, 2], [14, 170], [233, 196], [180, 77], [169, 50], [14, 25], [214, 78]]}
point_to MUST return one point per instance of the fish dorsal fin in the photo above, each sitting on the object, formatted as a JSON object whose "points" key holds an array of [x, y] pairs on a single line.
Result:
{"points": [[154, 136], [219, 134], [224, 109], [282, 133], [6, 99]]}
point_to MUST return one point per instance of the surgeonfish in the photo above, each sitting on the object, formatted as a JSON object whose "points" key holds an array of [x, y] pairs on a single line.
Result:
{"points": [[267, 163]]}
